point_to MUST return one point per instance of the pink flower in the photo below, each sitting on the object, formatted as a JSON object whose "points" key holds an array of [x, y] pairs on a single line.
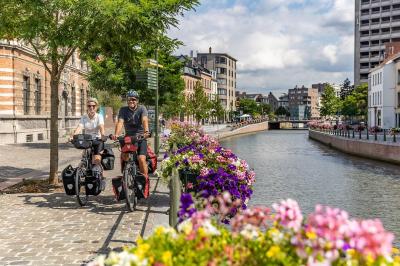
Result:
{"points": [[256, 216], [369, 238], [220, 159], [331, 224], [288, 214]]}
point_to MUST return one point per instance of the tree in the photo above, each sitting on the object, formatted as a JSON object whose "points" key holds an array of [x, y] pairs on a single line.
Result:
{"points": [[56, 29], [329, 102], [356, 104], [173, 108], [264, 108], [282, 111], [109, 100], [199, 103], [345, 89], [217, 110], [249, 106]]}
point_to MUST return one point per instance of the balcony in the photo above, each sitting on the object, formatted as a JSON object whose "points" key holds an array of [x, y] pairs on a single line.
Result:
{"points": [[364, 48], [376, 15], [364, 27], [364, 38], [364, 59], [395, 23], [364, 16], [396, 11], [364, 70], [395, 34], [375, 26]]}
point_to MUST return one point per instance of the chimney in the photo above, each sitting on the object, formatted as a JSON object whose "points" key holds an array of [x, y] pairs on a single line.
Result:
{"points": [[209, 50], [191, 53]]}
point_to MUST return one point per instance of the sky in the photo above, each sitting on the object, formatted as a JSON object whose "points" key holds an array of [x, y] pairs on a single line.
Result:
{"points": [[278, 43]]}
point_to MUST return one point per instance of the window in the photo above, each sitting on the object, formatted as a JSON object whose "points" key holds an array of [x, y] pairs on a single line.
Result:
{"points": [[221, 91], [38, 89], [82, 100], [398, 99], [203, 61], [73, 101], [220, 60], [221, 70], [221, 81], [26, 92]]}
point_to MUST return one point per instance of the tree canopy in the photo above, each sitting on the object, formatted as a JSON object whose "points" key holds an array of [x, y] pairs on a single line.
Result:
{"points": [[329, 103], [97, 28]]}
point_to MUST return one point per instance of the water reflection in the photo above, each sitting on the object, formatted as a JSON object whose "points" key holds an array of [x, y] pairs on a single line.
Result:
{"points": [[289, 165]]}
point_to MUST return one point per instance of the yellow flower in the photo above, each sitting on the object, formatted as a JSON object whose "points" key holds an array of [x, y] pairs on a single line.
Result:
{"points": [[167, 257], [159, 231], [141, 250], [311, 235], [395, 251], [351, 252], [273, 251]]}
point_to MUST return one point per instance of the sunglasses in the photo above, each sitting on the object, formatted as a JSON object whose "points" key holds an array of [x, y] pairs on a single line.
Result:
{"points": [[89, 106], [132, 99]]}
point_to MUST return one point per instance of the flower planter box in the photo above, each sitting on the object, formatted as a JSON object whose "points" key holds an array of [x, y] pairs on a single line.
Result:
{"points": [[188, 179]]}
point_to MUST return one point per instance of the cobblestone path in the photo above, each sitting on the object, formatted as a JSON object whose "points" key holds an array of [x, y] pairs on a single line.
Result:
{"points": [[51, 229]]}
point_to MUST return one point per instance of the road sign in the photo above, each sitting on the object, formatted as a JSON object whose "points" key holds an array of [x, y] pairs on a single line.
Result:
{"points": [[149, 76]]}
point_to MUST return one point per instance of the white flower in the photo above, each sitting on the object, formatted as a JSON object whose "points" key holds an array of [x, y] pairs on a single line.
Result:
{"points": [[186, 226], [210, 229]]}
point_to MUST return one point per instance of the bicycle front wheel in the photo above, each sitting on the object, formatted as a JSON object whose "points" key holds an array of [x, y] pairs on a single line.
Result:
{"points": [[80, 189], [129, 188]]}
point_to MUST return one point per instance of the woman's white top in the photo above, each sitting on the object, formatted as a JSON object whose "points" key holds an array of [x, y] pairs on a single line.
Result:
{"points": [[91, 126]]}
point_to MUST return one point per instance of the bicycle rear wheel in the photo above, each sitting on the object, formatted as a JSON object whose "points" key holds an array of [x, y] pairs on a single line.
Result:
{"points": [[80, 190], [129, 188]]}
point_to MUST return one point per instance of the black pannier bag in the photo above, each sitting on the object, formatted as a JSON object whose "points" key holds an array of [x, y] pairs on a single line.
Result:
{"points": [[92, 185], [82, 141], [117, 188], [68, 179], [107, 159]]}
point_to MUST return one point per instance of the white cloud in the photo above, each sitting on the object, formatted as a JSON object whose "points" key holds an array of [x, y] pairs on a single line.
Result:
{"points": [[278, 43]]}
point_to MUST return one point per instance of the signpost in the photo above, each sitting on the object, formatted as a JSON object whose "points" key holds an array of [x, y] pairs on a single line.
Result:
{"points": [[149, 76]]}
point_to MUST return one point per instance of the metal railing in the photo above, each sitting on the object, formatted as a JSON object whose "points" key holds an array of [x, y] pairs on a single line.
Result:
{"points": [[384, 136]]}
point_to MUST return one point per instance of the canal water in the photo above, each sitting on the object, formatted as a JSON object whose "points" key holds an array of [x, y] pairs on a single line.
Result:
{"points": [[289, 165]]}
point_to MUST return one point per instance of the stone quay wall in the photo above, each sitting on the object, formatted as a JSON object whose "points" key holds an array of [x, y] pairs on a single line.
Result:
{"points": [[243, 130], [381, 151]]}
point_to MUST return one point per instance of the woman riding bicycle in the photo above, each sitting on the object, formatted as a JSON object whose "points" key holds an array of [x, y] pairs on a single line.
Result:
{"points": [[92, 123]]}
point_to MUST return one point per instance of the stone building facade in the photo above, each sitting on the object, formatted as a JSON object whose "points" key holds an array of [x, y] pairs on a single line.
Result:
{"points": [[25, 95]]}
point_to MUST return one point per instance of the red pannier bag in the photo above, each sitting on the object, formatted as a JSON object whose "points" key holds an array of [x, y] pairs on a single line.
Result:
{"points": [[151, 159]]}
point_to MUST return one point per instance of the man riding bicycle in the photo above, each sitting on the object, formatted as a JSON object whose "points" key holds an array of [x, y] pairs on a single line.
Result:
{"points": [[92, 123], [134, 118]]}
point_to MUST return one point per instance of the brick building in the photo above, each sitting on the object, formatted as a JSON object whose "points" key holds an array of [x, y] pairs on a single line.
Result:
{"points": [[25, 94]]}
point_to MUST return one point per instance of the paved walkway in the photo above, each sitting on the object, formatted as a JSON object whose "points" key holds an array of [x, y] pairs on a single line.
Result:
{"points": [[51, 229]]}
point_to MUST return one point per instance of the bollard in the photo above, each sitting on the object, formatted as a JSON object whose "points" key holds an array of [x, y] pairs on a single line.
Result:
{"points": [[376, 135], [367, 134], [175, 195], [384, 135], [394, 136], [353, 134], [359, 133]]}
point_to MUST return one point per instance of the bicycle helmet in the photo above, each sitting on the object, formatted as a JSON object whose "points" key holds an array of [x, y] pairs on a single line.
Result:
{"points": [[132, 93]]}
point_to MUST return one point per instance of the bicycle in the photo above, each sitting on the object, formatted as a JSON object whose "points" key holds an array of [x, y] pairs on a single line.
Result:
{"points": [[85, 183], [130, 172]]}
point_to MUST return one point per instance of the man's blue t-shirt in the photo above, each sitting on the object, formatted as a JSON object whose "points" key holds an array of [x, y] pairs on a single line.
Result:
{"points": [[133, 119]]}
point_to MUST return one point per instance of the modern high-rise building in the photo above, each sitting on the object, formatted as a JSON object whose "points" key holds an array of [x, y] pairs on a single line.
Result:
{"points": [[225, 66], [376, 22]]}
